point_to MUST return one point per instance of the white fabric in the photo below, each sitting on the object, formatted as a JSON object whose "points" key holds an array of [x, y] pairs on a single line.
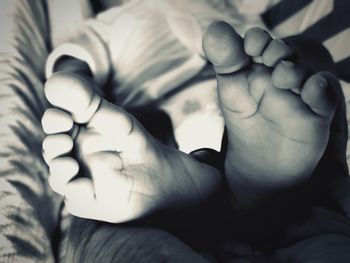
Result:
{"points": [[151, 47], [86, 46]]}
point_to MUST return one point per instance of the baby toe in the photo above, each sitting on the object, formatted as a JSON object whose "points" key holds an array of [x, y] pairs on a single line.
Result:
{"points": [[289, 75], [55, 146], [56, 121], [255, 41], [62, 170], [275, 51]]}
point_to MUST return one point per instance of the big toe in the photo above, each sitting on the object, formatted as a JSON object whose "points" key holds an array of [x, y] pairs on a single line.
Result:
{"points": [[74, 94], [224, 48]]}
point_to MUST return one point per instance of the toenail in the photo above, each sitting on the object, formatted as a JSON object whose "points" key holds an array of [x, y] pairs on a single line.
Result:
{"points": [[280, 41], [322, 82], [259, 29], [288, 64], [296, 91], [258, 60]]}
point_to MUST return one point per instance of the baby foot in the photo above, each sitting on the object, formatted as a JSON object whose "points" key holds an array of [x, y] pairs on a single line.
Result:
{"points": [[131, 174], [277, 116]]}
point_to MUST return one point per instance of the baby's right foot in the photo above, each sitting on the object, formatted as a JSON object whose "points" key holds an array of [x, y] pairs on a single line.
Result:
{"points": [[277, 117], [131, 173]]}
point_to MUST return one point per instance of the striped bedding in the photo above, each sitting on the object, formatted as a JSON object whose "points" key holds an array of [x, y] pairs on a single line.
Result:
{"points": [[29, 211]]}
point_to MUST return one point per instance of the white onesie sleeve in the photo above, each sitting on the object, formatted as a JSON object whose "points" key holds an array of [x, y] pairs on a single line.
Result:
{"points": [[88, 46]]}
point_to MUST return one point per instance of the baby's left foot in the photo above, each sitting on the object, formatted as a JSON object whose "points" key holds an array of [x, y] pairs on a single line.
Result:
{"points": [[132, 174], [276, 113]]}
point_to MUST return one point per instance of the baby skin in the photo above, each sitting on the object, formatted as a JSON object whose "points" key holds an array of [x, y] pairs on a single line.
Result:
{"points": [[277, 112], [131, 174], [277, 116]]}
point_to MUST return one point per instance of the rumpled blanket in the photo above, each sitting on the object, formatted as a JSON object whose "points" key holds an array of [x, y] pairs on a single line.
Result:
{"points": [[28, 208]]}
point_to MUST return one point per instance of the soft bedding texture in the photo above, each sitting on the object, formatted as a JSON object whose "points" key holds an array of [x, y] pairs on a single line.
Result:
{"points": [[29, 212]]}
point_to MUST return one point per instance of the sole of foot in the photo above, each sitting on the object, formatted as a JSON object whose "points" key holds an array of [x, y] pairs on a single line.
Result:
{"points": [[130, 174], [277, 111]]}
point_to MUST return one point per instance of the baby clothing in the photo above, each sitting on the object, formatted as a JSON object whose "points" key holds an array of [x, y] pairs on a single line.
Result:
{"points": [[144, 48]]}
